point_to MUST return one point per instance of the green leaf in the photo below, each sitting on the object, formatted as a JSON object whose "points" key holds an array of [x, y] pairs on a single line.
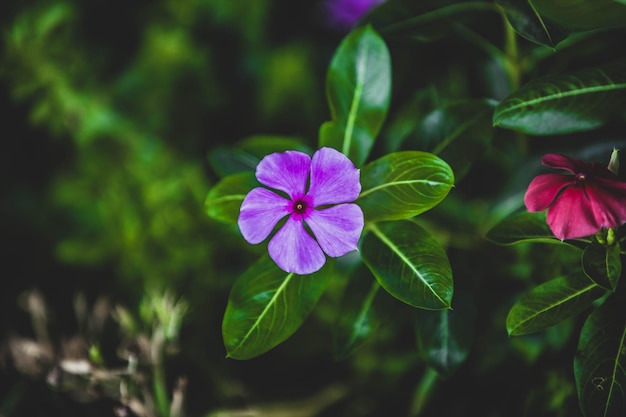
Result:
{"points": [[403, 184], [246, 154], [266, 306], [358, 87], [427, 20], [409, 264], [583, 14], [444, 337], [459, 132], [602, 264], [359, 315], [552, 302], [522, 227], [529, 24], [567, 103], [600, 363], [224, 199]]}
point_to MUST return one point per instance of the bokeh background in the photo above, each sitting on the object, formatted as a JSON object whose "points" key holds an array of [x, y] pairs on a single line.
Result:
{"points": [[114, 115]]}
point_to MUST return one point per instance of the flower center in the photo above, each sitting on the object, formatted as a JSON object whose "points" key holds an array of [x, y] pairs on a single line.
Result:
{"points": [[299, 206], [581, 176]]}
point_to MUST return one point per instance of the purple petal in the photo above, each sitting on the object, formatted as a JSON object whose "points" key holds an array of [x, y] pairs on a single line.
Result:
{"points": [[543, 189], [286, 171], [346, 13], [572, 215], [334, 179], [338, 228], [259, 213], [294, 250]]}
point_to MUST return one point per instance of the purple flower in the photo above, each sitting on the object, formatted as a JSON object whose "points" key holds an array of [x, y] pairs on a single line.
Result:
{"points": [[579, 203], [345, 14], [319, 220]]}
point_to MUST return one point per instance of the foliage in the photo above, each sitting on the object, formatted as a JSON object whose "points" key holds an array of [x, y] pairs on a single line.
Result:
{"points": [[129, 152]]}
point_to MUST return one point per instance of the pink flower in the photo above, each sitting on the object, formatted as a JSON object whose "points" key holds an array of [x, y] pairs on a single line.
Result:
{"points": [[319, 218], [580, 203]]}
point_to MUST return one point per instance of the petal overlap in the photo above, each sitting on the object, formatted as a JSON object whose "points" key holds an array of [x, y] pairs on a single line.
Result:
{"points": [[325, 208], [579, 203]]}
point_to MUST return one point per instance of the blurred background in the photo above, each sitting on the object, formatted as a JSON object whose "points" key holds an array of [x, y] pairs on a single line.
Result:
{"points": [[115, 281]]}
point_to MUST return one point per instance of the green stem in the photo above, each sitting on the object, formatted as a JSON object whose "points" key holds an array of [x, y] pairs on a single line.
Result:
{"points": [[424, 390], [513, 68]]}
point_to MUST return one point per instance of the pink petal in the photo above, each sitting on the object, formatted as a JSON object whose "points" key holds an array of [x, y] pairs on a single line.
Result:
{"points": [[337, 229], [286, 171], [543, 189], [334, 179], [572, 215], [608, 203], [572, 165], [294, 250], [259, 213]]}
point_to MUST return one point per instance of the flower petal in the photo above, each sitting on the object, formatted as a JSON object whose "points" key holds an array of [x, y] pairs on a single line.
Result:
{"points": [[286, 171], [543, 189], [608, 203], [572, 165], [294, 250], [338, 228], [334, 179], [260, 210], [572, 215]]}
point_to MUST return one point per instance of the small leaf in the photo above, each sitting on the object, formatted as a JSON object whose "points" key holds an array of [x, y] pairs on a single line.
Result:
{"points": [[266, 306], [459, 132], [529, 24], [600, 363], [224, 199], [567, 103], [358, 317], [358, 87], [246, 154], [552, 302], [522, 227], [427, 20], [403, 184], [602, 264], [409, 264], [445, 337]]}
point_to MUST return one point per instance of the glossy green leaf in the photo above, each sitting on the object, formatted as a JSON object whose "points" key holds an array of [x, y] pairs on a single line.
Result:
{"points": [[427, 20], [246, 154], [603, 265], [403, 184], [444, 337], [224, 199], [522, 227], [266, 306], [459, 132], [409, 264], [566, 103], [552, 302], [583, 14], [528, 23], [358, 87], [600, 363], [359, 313]]}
